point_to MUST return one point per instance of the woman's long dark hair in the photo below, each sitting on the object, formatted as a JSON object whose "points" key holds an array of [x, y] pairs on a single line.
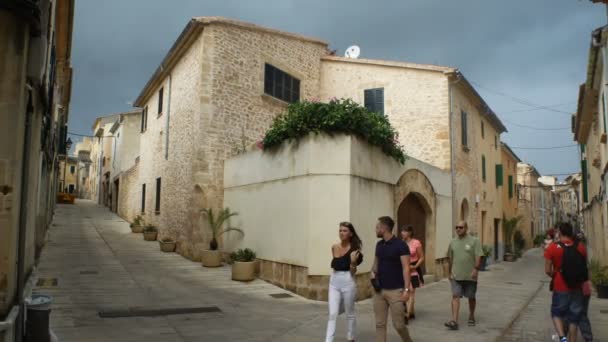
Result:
{"points": [[407, 228], [355, 240]]}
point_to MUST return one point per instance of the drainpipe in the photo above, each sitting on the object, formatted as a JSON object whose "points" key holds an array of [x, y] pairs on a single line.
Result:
{"points": [[167, 120], [451, 84], [23, 211]]}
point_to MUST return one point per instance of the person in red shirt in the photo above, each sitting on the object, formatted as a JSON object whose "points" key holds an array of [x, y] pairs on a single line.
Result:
{"points": [[567, 302]]}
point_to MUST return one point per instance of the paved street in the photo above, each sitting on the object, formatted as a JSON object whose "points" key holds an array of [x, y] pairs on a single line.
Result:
{"points": [[101, 266]]}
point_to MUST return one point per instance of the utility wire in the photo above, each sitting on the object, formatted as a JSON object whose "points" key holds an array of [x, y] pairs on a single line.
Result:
{"points": [[89, 136], [544, 148], [521, 101], [537, 128]]}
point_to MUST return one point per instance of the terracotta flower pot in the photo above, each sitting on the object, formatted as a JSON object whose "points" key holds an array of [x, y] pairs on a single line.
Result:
{"points": [[150, 236], [137, 228], [167, 246], [211, 258], [243, 271]]}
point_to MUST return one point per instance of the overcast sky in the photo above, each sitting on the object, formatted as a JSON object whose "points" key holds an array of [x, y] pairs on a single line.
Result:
{"points": [[530, 50]]}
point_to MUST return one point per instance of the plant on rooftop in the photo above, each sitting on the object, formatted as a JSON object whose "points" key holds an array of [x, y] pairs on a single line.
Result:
{"points": [[337, 116]]}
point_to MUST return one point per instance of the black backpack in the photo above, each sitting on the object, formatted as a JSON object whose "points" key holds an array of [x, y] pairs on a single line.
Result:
{"points": [[574, 266]]}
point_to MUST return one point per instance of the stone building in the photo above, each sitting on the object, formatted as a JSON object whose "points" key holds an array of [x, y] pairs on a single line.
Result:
{"points": [[82, 151], [68, 179], [223, 82], [35, 87], [102, 156], [510, 203], [590, 132], [567, 196], [534, 203]]}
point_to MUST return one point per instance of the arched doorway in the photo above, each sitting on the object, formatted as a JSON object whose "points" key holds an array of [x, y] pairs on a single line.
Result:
{"points": [[412, 212], [464, 210]]}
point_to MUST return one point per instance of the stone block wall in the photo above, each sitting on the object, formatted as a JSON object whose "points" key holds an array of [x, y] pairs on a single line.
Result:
{"points": [[129, 194], [296, 279]]}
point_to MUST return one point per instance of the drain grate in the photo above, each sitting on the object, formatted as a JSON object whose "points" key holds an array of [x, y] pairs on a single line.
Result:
{"points": [[47, 282], [89, 272], [156, 312], [281, 295], [604, 311], [513, 283]]}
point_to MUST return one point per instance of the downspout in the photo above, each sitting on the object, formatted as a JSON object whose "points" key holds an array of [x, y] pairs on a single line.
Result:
{"points": [[23, 211], [453, 143], [167, 120]]}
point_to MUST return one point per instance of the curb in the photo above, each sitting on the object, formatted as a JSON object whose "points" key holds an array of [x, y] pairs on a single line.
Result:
{"points": [[519, 312]]}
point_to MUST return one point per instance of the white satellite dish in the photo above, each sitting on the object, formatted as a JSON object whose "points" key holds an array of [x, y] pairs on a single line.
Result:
{"points": [[352, 52]]}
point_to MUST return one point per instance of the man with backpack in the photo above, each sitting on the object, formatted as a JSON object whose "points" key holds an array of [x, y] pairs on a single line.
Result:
{"points": [[566, 264]]}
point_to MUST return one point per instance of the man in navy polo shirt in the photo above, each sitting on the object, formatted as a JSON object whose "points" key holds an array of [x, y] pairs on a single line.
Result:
{"points": [[391, 271]]}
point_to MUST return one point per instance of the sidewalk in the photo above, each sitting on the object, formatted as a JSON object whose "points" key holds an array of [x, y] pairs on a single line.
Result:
{"points": [[100, 265]]}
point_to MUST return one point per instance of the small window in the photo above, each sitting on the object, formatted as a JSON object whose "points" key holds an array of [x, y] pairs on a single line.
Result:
{"points": [[157, 206], [499, 175], [144, 119], [281, 85], [496, 142], [483, 168], [143, 198], [71, 188], [464, 129], [72, 169], [510, 186], [374, 100], [160, 101], [483, 131]]}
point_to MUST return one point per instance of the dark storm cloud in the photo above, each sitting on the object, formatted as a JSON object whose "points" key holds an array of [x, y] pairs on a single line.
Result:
{"points": [[530, 49]]}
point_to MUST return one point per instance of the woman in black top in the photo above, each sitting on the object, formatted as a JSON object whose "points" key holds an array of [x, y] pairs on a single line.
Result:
{"points": [[342, 287]]}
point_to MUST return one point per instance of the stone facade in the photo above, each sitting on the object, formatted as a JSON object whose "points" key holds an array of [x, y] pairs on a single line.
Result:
{"points": [[530, 202]]}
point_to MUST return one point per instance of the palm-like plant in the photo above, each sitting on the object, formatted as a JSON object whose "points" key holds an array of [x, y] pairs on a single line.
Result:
{"points": [[509, 226], [216, 224]]}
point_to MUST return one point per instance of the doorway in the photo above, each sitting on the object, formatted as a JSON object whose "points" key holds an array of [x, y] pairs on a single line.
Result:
{"points": [[115, 196]]}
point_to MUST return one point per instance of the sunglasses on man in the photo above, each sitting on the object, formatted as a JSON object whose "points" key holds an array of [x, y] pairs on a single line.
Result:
{"points": [[459, 227]]}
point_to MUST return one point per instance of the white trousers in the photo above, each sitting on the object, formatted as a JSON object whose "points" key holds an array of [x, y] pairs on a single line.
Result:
{"points": [[342, 291]]}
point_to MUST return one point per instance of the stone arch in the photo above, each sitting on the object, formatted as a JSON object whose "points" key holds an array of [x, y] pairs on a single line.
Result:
{"points": [[415, 203]]}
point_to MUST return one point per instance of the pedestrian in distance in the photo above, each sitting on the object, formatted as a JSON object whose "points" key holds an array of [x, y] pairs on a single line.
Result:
{"points": [[391, 280], [406, 233], [464, 255], [342, 287], [566, 264]]}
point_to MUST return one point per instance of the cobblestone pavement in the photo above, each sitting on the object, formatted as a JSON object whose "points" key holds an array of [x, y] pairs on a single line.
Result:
{"points": [[100, 265]]}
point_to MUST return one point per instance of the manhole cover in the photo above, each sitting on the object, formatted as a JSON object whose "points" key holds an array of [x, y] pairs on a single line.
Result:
{"points": [[156, 312], [89, 272], [47, 282], [513, 283], [281, 295]]}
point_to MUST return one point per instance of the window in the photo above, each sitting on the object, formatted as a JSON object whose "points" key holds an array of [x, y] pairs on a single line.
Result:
{"points": [[103, 162], [143, 198], [483, 131], [496, 142], [604, 111], [144, 119], [157, 207], [463, 128], [160, 101], [374, 100], [71, 188], [483, 168], [279, 84], [510, 186], [72, 169], [499, 175]]}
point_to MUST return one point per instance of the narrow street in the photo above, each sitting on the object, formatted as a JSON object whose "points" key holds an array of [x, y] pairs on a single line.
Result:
{"points": [[101, 267]]}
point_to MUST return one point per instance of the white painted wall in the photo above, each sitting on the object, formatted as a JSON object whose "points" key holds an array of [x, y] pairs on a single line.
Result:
{"points": [[290, 201]]}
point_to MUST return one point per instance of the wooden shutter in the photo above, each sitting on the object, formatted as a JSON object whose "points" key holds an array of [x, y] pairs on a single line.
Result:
{"points": [[499, 175], [143, 198], [483, 168], [379, 100], [584, 174], [463, 128], [510, 186], [160, 101], [157, 208], [368, 100]]}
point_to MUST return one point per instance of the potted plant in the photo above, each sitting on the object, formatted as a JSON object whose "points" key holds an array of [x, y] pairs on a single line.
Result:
{"points": [[243, 265], [487, 252], [508, 227], [212, 256], [138, 224], [150, 232], [167, 245], [599, 278]]}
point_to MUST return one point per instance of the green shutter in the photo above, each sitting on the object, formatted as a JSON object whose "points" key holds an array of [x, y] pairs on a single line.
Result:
{"points": [[499, 175], [584, 176], [483, 168], [510, 186], [464, 130]]}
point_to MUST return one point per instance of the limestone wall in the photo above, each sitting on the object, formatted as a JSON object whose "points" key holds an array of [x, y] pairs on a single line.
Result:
{"points": [[129, 195]]}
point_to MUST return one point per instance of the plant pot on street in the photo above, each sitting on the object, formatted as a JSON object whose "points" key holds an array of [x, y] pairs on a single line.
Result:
{"points": [[150, 236], [137, 228], [484, 263], [167, 246], [243, 271], [211, 258], [510, 257], [602, 291]]}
